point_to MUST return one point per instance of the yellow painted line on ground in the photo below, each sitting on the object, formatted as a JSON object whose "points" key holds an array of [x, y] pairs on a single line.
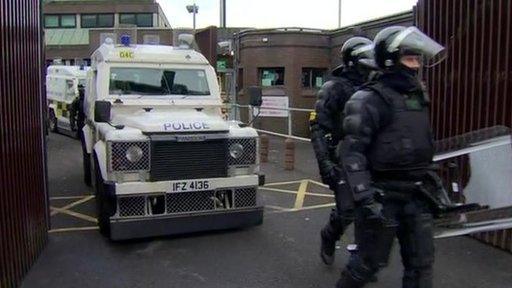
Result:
{"points": [[301, 194], [276, 207], [74, 214], [319, 183], [73, 229], [279, 190], [68, 197], [295, 192], [313, 207], [83, 200], [303, 208], [283, 183]]}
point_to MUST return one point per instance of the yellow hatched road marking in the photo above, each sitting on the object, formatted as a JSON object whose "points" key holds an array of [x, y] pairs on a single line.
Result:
{"points": [[304, 208], [276, 207], [68, 197], [301, 194], [74, 214], [72, 229], [83, 200], [295, 192], [283, 183], [312, 207], [318, 183]]}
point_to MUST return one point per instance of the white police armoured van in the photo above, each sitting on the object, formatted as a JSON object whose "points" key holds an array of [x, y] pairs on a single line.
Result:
{"points": [[62, 85], [161, 157]]}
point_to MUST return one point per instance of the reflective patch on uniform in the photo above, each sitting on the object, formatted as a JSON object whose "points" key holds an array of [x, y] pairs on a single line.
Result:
{"points": [[312, 116], [413, 104]]}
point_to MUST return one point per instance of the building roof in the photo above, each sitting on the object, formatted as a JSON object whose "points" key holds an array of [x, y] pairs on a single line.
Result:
{"points": [[93, 1], [378, 22], [66, 37]]}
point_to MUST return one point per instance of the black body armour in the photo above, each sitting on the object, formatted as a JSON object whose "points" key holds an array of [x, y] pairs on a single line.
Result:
{"points": [[406, 142]]}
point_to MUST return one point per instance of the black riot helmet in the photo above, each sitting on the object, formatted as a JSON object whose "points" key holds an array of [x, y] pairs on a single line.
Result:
{"points": [[358, 50], [393, 42]]}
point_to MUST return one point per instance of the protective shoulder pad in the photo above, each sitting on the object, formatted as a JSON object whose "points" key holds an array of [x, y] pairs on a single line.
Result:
{"points": [[386, 93]]}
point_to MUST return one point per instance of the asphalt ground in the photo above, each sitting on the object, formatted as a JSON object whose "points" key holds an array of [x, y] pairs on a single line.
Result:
{"points": [[283, 252]]}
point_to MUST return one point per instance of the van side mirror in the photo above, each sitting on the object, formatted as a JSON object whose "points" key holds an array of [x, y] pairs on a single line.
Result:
{"points": [[102, 111], [255, 98]]}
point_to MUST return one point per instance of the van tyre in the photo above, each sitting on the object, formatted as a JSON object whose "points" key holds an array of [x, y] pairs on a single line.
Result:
{"points": [[86, 163], [101, 201], [87, 169], [52, 122]]}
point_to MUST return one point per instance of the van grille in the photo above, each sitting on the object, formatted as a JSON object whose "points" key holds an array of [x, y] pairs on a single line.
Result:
{"points": [[186, 202], [172, 160]]}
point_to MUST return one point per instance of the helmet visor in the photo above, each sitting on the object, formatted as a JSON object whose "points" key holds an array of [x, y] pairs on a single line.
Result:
{"points": [[365, 51], [415, 41]]}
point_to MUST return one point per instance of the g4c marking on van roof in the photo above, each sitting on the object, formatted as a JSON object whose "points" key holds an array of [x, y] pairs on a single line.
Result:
{"points": [[126, 54]]}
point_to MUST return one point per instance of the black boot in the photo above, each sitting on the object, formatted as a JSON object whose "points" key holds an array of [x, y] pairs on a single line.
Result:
{"points": [[327, 247], [332, 233], [347, 281]]}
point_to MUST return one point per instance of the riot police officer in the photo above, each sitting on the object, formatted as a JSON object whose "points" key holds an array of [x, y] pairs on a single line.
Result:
{"points": [[386, 154], [325, 124]]}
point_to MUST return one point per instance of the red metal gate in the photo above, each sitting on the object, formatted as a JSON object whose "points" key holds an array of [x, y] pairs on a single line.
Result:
{"points": [[472, 88], [23, 200]]}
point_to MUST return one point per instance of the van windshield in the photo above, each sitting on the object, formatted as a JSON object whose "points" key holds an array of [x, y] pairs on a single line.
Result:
{"points": [[149, 81]]}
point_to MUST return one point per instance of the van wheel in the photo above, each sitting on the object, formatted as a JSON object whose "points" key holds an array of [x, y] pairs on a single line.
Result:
{"points": [[87, 169], [86, 162], [101, 201], [52, 122]]}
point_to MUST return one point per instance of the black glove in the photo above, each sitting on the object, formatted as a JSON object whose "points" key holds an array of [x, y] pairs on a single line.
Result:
{"points": [[372, 209], [330, 175]]}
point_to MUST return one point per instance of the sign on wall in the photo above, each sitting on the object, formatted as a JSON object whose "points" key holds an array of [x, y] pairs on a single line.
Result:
{"points": [[279, 102]]}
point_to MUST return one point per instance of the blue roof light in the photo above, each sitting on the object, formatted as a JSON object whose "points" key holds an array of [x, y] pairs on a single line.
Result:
{"points": [[125, 40]]}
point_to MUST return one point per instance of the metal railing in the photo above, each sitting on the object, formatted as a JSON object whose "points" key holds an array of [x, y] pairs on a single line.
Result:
{"points": [[250, 117], [490, 142]]}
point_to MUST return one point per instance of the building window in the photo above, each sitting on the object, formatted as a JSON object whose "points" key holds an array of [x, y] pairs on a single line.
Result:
{"points": [[139, 19], [105, 20], [271, 76], [60, 21], [145, 20], [97, 20], [313, 77], [68, 21], [51, 21]]}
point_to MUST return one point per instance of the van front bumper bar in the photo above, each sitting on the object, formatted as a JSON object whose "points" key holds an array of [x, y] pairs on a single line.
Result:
{"points": [[143, 227]]}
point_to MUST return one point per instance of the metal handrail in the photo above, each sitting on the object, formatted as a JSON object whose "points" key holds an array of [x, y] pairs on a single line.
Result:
{"points": [[494, 142], [274, 108], [290, 131]]}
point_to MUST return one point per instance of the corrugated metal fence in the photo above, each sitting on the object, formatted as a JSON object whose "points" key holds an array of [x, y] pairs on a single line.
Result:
{"points": [[23, 201], [472, 88]]}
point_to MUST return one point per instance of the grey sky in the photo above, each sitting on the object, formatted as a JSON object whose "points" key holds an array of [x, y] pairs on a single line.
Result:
{"points": [[282, 13]]}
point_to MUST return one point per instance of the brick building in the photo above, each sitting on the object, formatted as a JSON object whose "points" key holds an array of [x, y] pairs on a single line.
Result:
{"points": [[75, 28], [294, 63]]}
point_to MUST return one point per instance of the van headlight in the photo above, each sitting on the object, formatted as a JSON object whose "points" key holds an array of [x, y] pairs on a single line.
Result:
{"points": [[134, 154], [236, 150], [128, 156], [242, 151]]}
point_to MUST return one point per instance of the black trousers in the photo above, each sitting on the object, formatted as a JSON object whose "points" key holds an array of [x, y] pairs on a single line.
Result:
{"points": [[408, 220], [341, 216]]}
